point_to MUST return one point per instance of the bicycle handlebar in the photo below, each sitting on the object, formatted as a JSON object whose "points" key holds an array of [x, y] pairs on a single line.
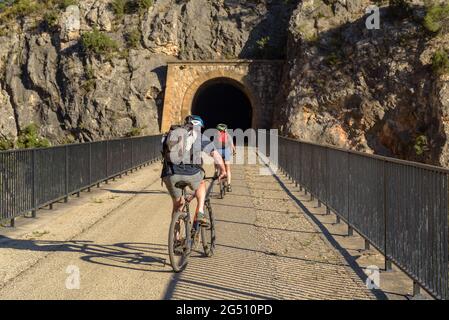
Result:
{"points": [[213, 178]]}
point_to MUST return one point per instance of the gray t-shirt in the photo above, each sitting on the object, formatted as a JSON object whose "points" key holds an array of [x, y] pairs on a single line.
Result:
{"points": [[188, 169]]}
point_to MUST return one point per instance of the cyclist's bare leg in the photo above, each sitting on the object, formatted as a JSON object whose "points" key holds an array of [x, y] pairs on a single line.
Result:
{"points": [[228, 171], [177, 204], [200, 196]]}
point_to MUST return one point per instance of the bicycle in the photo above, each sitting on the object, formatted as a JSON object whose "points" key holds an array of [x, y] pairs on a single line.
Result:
{"points": [[222, 184], [184, 235]]}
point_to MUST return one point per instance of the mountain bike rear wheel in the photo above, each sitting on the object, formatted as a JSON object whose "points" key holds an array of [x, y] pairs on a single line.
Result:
{"points": [[208, 233], [179, 241]]}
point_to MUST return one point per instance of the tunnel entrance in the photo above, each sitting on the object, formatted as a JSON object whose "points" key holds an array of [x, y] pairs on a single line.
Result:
{"points": [[223, 101]]}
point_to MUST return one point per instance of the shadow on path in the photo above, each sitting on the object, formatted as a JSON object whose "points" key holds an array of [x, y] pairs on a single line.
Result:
{"points": [[132, 256], [349, 259], [136, 192]]}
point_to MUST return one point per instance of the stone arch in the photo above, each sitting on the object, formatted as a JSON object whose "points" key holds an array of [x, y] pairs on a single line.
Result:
{"points": [[258, 80], [236, 79]]}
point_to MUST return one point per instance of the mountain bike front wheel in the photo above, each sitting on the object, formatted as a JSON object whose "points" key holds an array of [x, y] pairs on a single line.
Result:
{"points": [[179, 241]]}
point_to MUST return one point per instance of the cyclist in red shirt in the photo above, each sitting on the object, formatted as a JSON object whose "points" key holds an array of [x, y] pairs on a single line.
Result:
{"points": [[224, 145]]}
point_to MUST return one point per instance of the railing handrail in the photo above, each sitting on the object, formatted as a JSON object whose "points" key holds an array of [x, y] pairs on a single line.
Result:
{"points": [[76, 144], [374, 156], [400, 207], [33, 178]]}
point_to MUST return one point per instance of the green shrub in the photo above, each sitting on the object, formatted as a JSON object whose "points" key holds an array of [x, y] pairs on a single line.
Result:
{"points": [[262, 42], [13, 9], [18, 9], [145, 4], [437, 18], [119, 7], [133, 38], [122, 7], [98, 43], [6, 144], [333, 59], [440, 62], [5, 3], [63, 4], [421, 145], [51, 18], [90, 83], [134, 132], [29, 138]]}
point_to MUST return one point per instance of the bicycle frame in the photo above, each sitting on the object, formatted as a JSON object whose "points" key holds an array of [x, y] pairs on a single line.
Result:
{"points": [[195, 229]]}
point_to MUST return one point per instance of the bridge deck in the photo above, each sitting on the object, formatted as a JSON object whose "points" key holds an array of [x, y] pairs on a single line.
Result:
{"points": [[267, 248]]}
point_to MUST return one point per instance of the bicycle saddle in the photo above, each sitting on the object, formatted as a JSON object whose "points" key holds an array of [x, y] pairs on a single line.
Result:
{"points": [[181, 185]]}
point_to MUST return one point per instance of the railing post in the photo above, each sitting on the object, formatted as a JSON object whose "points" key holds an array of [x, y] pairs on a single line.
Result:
{"points": [[350, 231], [388, 265], [327, 181], [107, 164], [90, 166], [121, 157], [348, 189], [328, 211], [367, 245], [34, 187], [416, 289], [66, 198], [338, 220], [132, 153]]}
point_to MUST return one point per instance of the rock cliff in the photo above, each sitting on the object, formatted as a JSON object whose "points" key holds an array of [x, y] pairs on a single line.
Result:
{"points": [[115, 87], [370, 90], [93, 69]]}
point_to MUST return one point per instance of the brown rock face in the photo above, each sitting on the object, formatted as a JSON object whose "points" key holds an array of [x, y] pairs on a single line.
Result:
{"points": [[369, 90], [47, 79]]}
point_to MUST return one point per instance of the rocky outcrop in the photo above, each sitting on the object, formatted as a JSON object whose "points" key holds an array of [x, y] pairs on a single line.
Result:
{"points": [[47, 79], [368, 90]]}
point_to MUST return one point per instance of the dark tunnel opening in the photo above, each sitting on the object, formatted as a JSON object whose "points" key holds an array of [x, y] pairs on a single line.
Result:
{"points": [[221, 101]]}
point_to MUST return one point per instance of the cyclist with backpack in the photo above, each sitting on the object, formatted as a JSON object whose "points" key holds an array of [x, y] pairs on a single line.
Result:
{"points": [[224, 145], [182, 147]]}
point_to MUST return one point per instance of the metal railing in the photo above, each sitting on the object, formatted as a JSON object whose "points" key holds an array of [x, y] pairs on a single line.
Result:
{"points": [[400, 207], [33, 178]]}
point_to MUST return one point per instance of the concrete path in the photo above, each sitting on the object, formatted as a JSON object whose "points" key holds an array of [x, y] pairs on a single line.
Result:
{"points": [[266, 248]]}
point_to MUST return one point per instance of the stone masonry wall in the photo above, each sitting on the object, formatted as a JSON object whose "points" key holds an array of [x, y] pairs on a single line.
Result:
{"points": [[258, 79]]}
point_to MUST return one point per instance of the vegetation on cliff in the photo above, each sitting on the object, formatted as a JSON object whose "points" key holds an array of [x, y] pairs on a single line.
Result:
{"points": [[28, 138], [437, 18]]}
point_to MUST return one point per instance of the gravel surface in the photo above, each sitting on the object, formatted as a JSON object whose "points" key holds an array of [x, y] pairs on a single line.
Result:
{"points": [[117, 239]]}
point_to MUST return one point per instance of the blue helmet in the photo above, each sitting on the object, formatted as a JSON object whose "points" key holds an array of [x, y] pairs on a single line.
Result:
{"points": [[194, 120]]}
